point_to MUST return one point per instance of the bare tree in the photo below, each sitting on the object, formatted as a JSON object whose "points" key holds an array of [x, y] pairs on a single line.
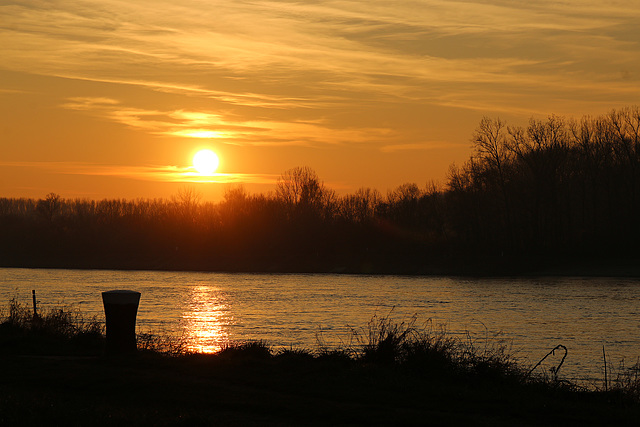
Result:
{"points": [[186, 203], [361, 206], [494, 155], [49, 206], [301, 186], [490, 143], [407, 193]]}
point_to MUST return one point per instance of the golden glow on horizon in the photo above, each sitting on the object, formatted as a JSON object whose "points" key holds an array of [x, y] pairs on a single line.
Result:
{"points": [[206, 162]]}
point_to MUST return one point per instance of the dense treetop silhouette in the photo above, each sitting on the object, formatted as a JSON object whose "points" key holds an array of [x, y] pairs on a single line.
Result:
{"points": [[556, 191]]}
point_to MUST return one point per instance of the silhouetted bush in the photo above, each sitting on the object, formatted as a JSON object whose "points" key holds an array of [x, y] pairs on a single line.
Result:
{"points": [[60, 330]]}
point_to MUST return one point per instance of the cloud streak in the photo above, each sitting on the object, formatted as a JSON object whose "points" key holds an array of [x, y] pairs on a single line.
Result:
{"points": [[274, 49], [425, 146], [221, 127], [144, 173]]}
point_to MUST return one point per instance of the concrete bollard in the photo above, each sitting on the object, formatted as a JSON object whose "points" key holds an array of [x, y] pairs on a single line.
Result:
{"points": [[120, 310]]}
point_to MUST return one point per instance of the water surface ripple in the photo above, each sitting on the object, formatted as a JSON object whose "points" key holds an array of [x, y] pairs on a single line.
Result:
{"points": [[211, 309]]}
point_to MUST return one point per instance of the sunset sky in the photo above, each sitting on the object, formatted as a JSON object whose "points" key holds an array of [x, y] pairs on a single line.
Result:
{"points": [[112, 98]]}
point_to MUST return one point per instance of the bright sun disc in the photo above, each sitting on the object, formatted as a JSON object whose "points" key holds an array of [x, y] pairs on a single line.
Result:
{"points": [[205, 162]]}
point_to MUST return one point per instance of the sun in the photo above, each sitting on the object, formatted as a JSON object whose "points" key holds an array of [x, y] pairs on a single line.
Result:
{"points": [[206, 162]]}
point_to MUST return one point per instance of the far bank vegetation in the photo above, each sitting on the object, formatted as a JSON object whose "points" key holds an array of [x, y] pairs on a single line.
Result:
{"points": [[555, 191]]}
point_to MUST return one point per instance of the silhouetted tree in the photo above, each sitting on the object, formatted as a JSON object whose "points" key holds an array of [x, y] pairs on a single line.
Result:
{"points": [[494, 160], [186, 203], [49, 206], [360, 207], [625, 125], [302, 192]]}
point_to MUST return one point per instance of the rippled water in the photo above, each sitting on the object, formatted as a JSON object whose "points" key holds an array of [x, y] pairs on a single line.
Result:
{"points": [[212, 309]]}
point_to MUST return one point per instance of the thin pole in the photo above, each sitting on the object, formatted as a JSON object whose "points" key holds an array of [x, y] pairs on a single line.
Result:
{"points": [[604, 357]]}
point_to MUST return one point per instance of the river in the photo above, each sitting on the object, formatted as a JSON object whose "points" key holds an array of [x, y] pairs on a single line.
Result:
{"points": [[209, 310]]}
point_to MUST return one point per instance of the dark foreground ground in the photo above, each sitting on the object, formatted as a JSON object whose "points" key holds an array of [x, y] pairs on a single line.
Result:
{"points": [[54, 372], [292, 389]]}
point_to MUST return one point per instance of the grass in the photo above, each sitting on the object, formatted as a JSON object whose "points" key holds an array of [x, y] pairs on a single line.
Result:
{"points": [[389, 373], [58, 331]]}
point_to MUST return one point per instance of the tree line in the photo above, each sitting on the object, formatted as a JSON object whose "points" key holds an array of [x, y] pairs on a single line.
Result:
{"points": [[555, 191], [556, 188]]}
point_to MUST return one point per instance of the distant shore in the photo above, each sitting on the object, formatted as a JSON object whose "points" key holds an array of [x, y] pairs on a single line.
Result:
{"points": [[625, 267]]}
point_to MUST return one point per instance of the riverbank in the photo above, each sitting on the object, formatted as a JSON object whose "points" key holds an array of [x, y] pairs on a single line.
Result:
{"points": [[55, 372]]}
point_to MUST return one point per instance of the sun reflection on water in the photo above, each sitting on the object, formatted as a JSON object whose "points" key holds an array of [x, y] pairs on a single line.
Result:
{"points": [[206, 320]]}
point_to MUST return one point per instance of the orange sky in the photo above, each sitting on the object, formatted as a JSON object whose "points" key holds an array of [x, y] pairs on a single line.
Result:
{"points": [[112, 99]]}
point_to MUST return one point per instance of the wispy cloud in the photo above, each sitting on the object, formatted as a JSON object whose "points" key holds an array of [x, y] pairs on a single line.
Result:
{"points": [[224, 127], [145, 173], [272, 49], [269, 66], [423, 146], [12, 91]]}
